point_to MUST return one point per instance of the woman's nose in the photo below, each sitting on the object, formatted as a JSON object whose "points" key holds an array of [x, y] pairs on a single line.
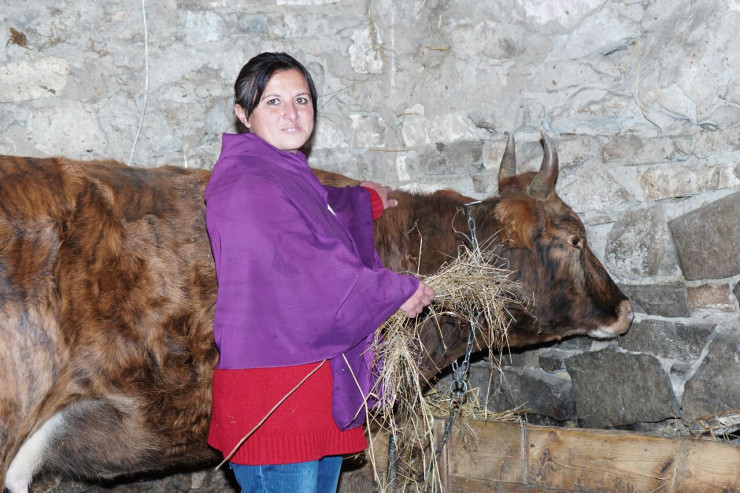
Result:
{"points": [[290, 112]]}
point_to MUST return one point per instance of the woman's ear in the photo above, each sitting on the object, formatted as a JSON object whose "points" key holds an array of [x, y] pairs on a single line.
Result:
{"points": [[241, 114]]}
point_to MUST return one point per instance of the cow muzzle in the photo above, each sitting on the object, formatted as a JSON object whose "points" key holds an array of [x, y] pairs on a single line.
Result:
{"points": [[620, 326]]}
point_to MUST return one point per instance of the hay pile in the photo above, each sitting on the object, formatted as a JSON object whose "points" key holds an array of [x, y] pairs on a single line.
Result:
{"points": [[475, 285]]}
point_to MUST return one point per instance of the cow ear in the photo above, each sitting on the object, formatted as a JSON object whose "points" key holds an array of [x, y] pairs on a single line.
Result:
{"points": [[516, 219]]}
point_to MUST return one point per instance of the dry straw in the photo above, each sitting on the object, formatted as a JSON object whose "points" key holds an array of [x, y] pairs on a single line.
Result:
{"points": [[474, 284]]}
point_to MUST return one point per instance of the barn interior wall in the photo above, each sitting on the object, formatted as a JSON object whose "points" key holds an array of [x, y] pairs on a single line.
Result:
{"points": [[641, 97]]}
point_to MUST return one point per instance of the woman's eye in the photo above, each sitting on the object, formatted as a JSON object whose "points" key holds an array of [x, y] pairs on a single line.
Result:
{"points": [[272, 101], [302, 100]]}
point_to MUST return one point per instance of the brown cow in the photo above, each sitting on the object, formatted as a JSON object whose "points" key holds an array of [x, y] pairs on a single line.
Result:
{"points": [[107, 290]]}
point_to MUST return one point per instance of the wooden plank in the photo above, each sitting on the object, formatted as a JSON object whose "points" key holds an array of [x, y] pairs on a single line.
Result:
{"points": [[519, 458], [513, 457], [707, 467], [443, 463], [464, 485], [377, 453], [490, 451], [585, 460]]}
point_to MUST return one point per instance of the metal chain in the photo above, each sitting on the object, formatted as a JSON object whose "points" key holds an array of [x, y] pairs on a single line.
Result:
{"points": [[459, 385], [471, 224]]}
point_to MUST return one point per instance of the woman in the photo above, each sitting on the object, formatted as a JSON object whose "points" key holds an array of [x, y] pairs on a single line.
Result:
{"points": [[301, 291]]}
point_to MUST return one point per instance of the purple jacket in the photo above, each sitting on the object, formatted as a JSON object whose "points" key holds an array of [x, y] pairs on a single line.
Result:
{"points": [[296, 283]]}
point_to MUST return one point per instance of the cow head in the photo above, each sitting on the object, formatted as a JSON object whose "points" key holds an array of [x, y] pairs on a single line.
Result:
{"points": [[545, 244]]}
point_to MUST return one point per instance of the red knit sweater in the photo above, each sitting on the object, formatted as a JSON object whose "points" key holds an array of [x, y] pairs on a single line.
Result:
{"points": [[301, 429]]}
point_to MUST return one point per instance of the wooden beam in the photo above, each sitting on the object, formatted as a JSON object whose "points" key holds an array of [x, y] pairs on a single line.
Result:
{"points": [[491, 456]]}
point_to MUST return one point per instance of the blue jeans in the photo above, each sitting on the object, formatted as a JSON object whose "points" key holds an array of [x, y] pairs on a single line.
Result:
{"points": [[318, 476]]}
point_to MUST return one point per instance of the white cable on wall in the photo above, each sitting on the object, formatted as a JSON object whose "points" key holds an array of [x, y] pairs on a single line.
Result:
{"points": [[146, 80]]}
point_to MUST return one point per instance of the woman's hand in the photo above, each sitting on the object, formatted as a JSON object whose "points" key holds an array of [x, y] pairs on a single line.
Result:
{"points": [[421, 298], [382, 191]]}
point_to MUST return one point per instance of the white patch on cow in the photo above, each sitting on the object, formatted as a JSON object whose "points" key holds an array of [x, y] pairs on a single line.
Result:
{"points": [[31, 455], [601, 334]]}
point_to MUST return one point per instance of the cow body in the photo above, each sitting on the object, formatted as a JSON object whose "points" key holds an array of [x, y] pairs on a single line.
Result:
{"points": [[108, 295], [108, 290]]}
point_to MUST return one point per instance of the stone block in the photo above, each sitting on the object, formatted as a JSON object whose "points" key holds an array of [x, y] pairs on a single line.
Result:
{"points": [[450, 128], [485, 183], [663, 149], [37, 79], [367, 131], [638, 244], [480, 380], [721, 140], [479, 377], [621, 147], [680, 371], [665, 300], [535, 392], [710, 296], [551, 363], [608, 30], [328, 134], [736, 291], [473, 39], [67, 128], [706, 239], [669, 93], [454, 158], [414, 128], [578, 344], [667, 339], [576, 150], [617, 389], [528, 357], [715, 386], [365, 52], [590, 188], [197, 27], [553, 360], [684, 181]]}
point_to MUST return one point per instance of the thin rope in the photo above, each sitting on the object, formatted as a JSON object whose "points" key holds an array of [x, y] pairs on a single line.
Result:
{"points": [[244, 438], [146, 80], [367, 418]]}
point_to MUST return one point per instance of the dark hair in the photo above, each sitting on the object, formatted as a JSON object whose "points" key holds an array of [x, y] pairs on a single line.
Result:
{"points": [[254, 76]]}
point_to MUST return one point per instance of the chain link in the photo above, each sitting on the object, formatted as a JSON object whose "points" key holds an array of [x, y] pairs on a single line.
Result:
{"points": [[459, 385], [471, 224]]}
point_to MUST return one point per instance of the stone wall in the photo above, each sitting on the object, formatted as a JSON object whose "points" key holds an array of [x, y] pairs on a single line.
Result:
{"points": [[642, 98]]}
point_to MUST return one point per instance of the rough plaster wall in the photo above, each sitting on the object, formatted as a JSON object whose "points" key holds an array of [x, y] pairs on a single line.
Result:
{"points": [[642, 98]]}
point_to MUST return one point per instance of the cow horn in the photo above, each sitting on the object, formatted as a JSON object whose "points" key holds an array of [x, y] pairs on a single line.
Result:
{"points": [[508, 161], [546, 177]]}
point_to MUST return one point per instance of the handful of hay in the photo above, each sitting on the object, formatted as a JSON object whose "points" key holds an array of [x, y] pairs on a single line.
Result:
{"points": [[475, 287]]}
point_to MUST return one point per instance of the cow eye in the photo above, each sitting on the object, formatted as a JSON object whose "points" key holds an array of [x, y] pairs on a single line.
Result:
{"points": [[575, 241]]}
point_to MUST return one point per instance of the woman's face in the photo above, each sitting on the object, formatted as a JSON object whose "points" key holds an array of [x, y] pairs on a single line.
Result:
{"points": [[284, 115]]}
